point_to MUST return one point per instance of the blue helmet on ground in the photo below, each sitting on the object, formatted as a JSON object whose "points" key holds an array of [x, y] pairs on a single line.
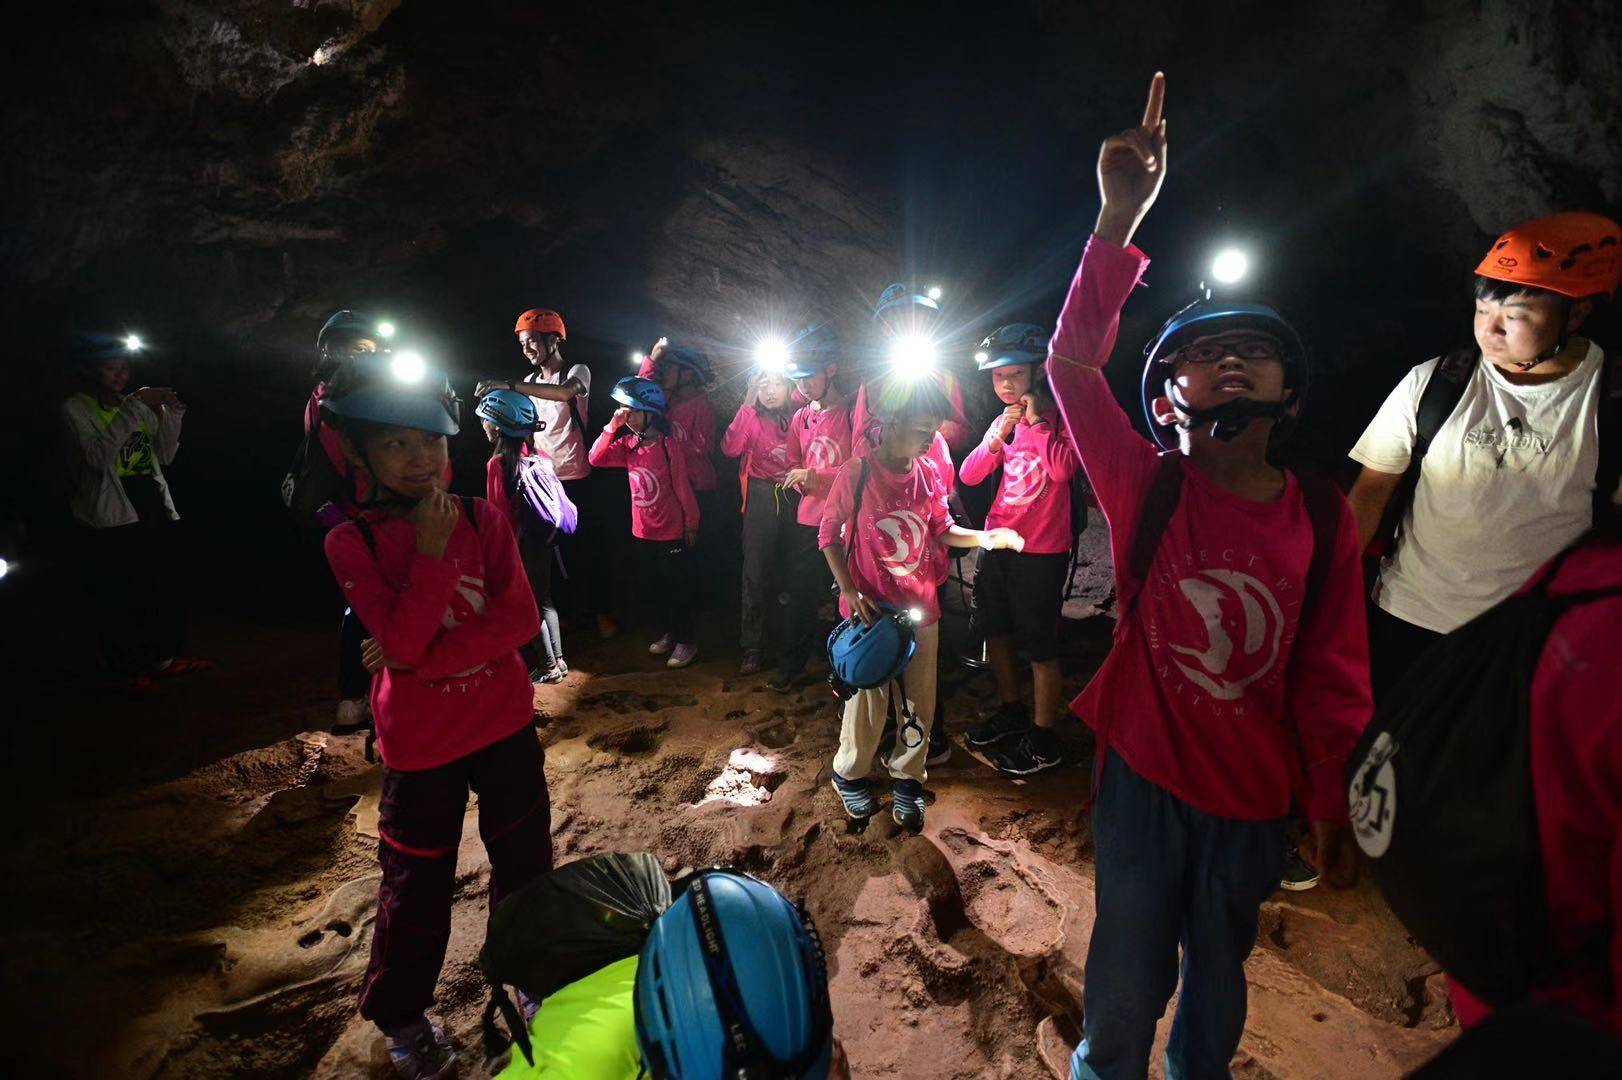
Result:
{"points": [[393, 389], [864, 657], [512, 413], [635, 392], [732, 983], [1218, 316], [902, 298], [812, 350], [1016, 343]]}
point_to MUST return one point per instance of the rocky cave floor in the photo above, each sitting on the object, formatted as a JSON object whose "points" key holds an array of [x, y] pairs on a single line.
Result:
{"points": [[194, 891]]}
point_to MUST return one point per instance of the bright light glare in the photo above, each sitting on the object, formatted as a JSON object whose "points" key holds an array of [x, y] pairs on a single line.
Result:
{"points": [[133, 343], [934, 292], [385, 329], [636, 359], [981, 357], [409, 367], [772, 356], [913, 355], [915, 614], [1229, 266], [5, 568]]}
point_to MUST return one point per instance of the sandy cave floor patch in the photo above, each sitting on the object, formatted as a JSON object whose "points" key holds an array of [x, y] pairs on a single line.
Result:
{"points": [[211, 915]]}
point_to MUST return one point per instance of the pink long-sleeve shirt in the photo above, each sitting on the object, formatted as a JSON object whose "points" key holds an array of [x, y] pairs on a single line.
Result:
{"points": [[1033, 496], [760, 439], [692, 423], [663, 506], [818, 439], [1214, 674], [455, 621], [895, 548]]}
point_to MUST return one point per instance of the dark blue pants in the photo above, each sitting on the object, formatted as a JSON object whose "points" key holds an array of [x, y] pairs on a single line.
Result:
{"points": [[1168, 876]]}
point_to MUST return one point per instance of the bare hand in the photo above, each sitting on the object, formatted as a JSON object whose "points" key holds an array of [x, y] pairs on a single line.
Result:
{"points": [[861, 607], [658, 349], [435, 516], [691, 537], [372, 656], [1000, 539], [1132, 166], [1332, 849], [797, 479], [155, 397], [751, 396], [491, 384], [1011, 417], [617, 421]]}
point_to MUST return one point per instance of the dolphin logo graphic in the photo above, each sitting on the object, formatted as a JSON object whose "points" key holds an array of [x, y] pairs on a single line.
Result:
{"points": [[1023, 478], [905, 532], [644, 487], [1258, 647]]}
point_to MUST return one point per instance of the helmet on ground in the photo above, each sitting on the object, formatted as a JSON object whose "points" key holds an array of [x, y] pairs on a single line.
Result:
{"points": [[732, 982], [639, 393], [812, 350], [395, 389], [902, 300], [1574, 254], [864, 657], [1218, 316], [541, 321], [512, 413], [1016, 343]]}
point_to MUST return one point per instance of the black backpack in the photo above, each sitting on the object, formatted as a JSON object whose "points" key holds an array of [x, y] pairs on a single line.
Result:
{"points": [[1440, 790], [312, 481]]}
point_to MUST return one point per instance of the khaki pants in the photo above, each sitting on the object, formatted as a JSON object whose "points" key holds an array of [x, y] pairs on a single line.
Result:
{"points": [[865, 712]]}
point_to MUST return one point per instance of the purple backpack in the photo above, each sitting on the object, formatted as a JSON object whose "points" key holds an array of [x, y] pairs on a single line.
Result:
{"points": [[545, 506]]}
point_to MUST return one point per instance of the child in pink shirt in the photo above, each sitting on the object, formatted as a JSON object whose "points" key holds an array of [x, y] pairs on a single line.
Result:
{"points": [[664, 512], [758, 436], [1018, 594], [438, 582], [1238, 678], [883, 531]]}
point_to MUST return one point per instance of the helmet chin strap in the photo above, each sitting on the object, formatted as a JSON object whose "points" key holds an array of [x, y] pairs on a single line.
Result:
{"points": [[1228, 419], [1560, 343]]}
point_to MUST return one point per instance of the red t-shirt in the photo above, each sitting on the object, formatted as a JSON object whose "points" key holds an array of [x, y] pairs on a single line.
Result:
{"points": [[896, 553], [818, 439], [692, 423], [1214, 676], [760, 438], [662, 503], [1033, 497], [1577, 785], [457, 621]]}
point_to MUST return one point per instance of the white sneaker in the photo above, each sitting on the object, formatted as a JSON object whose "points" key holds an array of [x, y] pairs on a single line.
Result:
{"points": [[353, 715], [663, 645], [682, 655]]}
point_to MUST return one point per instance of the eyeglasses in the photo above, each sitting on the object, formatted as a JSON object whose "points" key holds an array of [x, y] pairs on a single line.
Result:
{"points": [[1209, 352]]}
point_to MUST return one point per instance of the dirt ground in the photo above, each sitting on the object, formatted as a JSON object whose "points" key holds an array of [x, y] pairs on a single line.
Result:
{"points": [[194, 887]]}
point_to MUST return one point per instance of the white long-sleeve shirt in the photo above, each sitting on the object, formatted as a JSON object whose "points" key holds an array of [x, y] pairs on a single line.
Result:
{"points": [[98, 499]]}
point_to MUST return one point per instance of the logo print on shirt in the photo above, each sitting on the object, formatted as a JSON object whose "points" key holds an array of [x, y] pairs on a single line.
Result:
{"points": [[467, 602], [778, 456], [644, 487], [904, 532], [1228, 600], [823, 453], [1023, 478], [1372, 797]]}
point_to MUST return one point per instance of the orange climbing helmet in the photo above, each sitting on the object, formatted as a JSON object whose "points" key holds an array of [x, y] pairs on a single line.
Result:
{"points": [[1574, 254], [541, 321]]}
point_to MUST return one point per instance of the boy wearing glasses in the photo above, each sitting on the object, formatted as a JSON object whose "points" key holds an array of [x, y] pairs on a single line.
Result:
{"points": [[1239, 674]]}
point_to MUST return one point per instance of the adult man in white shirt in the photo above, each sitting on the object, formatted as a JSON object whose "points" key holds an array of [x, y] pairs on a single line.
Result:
{"points": [[1511, 475]]}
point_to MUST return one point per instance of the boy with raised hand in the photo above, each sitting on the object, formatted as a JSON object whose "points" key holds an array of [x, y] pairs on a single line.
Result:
{"points": [[1239, 674]]}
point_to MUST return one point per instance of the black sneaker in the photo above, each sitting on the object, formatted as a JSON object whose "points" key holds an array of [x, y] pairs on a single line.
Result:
{"points": [[1299, 875], [1037, 749], [784, 681], [1009, 719], [940, 747]]}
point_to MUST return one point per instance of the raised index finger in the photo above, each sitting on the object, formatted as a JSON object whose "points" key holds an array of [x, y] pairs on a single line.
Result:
{"points": [[1157, 100]]}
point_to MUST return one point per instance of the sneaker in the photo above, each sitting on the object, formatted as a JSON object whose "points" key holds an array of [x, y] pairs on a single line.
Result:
{"points": [[750, 664], [940, 747], [663, 646], [785, 681], [857, 795], [554, 674], [420, 1051], [354, 714], [1037, 750], [1299, 875], [907, 798], [1009, 719], [682, 655], [607, 627]]}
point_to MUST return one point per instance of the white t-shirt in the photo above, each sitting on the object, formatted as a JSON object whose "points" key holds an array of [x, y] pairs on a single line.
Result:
{"points": [[562, 440], [1506, 484]]}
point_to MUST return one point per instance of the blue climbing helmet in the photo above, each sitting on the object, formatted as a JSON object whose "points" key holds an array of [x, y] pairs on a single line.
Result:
{"points": [[864, 657], [690, 359], [512, 413], [904, 301], [812, 350], [1216, 316], [394, 389], [1016, 343], [732, 983], [635, 392]]}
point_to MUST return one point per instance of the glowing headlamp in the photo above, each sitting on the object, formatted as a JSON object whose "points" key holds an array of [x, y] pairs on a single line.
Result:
{"points": [[1229, 266], [912, 356], [772, 356], [408, 367], [981, 357], [5, 567], [133, 343], [916, 615], [385, 329], [636, 359], [934, 292]]}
